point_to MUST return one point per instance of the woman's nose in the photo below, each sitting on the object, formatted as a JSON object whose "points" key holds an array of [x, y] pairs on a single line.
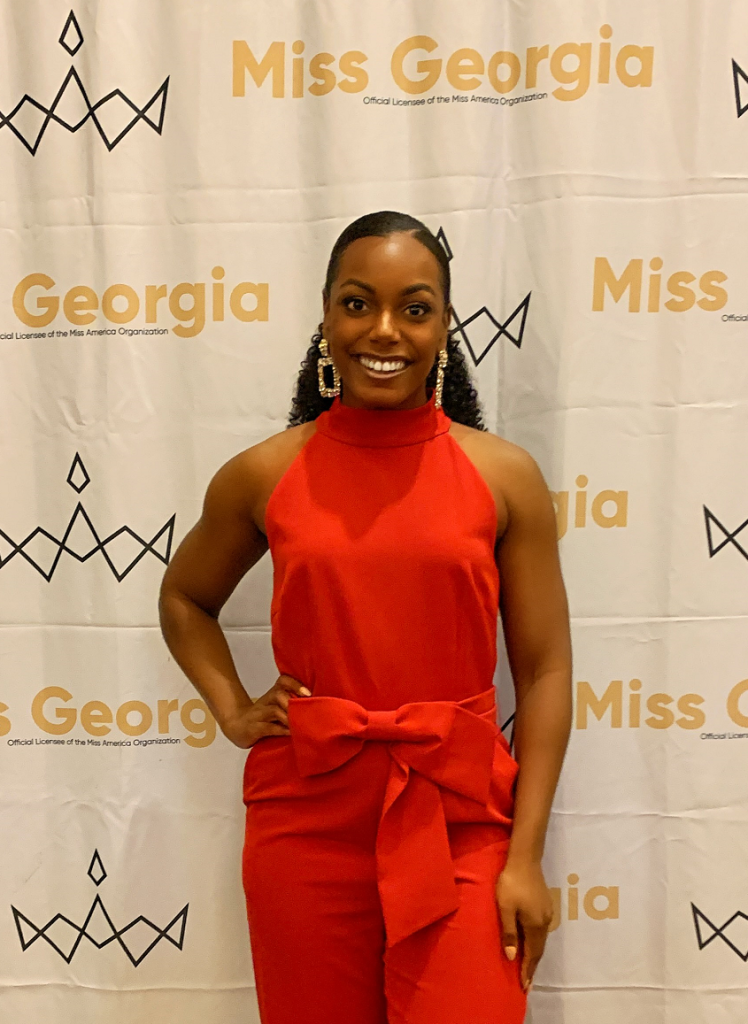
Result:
{"points": [[385, 327]]}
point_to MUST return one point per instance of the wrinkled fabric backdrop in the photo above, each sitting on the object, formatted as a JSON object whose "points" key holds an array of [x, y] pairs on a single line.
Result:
{"points": [[173, 177]]}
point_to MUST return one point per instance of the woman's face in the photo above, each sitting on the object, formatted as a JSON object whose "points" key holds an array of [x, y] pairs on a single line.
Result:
{"points": [[385, 321]]}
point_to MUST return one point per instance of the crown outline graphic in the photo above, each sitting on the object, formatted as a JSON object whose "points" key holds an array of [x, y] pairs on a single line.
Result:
{"points": [[730, 537], [739, 82], [152, 113], [460, 329], [177, 924], [78, 478], [717, 931]]}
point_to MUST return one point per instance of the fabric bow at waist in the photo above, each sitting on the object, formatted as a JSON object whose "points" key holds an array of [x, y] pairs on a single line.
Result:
{"points": [[433, 746]]}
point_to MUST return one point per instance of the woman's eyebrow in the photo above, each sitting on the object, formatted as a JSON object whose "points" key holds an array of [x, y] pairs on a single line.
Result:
{"points": [[418, 288], [359, 284]]}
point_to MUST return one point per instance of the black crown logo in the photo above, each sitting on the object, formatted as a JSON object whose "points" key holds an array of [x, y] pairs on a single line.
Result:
{"points": [[481, 330], [718, 536], [136, 939], [707, 932], [121, 550], [740, 84], [113, 116]]}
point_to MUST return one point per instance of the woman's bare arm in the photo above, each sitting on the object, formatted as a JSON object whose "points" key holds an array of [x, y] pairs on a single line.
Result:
{"points": [[535, 619], [204, 570], [224, 544]]}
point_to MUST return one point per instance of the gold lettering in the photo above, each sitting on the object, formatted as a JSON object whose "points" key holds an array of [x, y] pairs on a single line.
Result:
{"points": [[587, 699], [77, 305], [66, 716], [619, 517], [139, 708], [153, 292], [512, 62], [324, 79], [684, 296], [96, 717], [192, 317], [165, 709], [688, 705], [662, 716], [607, 892], [605, 278], [357, 78], [603, 68], [463, 67], [428, 69], [645, 56], [49, 303], [260, 309], [534, 56], [204, 730], [579, 76], [709, 283], [117, 291], [244, 61], [733, 704]]}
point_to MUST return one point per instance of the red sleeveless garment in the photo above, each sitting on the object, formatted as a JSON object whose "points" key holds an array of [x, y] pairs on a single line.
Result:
{"points": [[376, 833]]}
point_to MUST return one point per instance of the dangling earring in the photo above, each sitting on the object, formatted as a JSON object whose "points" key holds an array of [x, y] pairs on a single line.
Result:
{"points": [[443, 357], [325, 359]]}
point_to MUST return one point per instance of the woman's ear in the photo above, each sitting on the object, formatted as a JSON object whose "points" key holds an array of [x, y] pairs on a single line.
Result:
{"points": [[448, 316]]}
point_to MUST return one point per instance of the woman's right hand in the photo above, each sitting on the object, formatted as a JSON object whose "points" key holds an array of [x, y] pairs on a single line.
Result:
{"points": [[267, 716]]}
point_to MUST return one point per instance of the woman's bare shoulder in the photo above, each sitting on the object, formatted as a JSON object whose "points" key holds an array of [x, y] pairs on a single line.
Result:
{"points": [[510, 472], [496, 454], [274, 453], [246, 481]]}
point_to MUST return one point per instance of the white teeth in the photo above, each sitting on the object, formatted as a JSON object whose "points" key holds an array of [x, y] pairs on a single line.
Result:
{"points": [[380, 366]]}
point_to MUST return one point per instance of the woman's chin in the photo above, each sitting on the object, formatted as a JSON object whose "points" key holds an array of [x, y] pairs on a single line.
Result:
{"points": [[383, 394]]}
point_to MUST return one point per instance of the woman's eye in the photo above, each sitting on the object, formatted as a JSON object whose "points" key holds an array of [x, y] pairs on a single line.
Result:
{"points": [[354, 303], [418, 309]]}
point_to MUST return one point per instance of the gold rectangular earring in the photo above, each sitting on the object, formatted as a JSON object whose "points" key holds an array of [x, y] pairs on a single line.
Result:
{"points": [[325, 359], [438, 390]]}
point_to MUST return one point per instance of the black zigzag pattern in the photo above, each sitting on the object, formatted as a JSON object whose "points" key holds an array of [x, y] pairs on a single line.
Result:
{"points": [[116, 102], [159, 545], [707, 931], [65, 936], [465, 330], [718, 536]]}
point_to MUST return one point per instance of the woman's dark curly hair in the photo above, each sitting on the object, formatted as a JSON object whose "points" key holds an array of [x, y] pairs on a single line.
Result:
{"points": [[459, 397]]}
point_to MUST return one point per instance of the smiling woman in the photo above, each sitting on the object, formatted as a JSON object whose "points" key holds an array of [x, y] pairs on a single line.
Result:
{"points": [[386, 815], [399, 238]]}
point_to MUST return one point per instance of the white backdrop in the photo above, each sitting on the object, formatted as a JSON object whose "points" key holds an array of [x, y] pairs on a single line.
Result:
{"points": [[166, 211]]}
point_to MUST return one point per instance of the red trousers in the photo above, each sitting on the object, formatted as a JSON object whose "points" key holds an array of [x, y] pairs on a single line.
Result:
{"points": [[370, 873]]}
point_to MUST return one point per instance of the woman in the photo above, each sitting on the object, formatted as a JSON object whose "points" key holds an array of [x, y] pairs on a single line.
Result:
{"points": [[386, 817]]}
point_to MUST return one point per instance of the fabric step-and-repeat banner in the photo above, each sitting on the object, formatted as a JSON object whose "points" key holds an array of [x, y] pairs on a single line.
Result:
{"points": [[172, 177]]}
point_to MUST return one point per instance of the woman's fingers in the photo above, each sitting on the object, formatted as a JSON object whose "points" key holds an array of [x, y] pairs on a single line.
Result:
{"points": [[273, 712], [533, 944], [273, 729], [291, 685], [509, 937]]}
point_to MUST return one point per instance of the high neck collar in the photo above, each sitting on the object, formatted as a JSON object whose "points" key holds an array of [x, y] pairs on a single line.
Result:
{"points": [[382, 428]]}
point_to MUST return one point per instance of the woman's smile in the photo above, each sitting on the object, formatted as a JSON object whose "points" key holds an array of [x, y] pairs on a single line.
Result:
{"points": [[379, 367]]}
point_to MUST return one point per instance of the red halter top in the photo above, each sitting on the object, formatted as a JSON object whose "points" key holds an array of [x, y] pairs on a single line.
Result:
{"points": [[385, 605], [382, 535]]}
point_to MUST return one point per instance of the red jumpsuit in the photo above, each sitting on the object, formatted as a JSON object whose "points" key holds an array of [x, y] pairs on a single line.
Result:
{"points": [[376, 832]]}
